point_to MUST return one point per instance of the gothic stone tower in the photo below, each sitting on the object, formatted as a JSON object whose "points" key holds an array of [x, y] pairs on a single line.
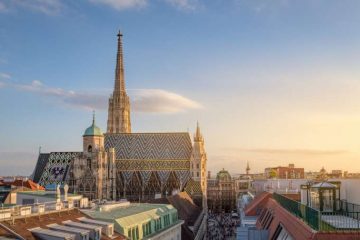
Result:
{"points": [[119, 103], [198, 163], [94, 171]]}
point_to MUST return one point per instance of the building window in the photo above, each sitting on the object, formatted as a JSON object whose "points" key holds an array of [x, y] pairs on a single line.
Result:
{"points": [[158, 224], [281, 234], [89, 163], [197, 174], [133, 233], [89, 148], [146, 229], [197, 166]]}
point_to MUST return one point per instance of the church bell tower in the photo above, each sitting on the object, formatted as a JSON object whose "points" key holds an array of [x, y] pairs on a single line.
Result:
{"points": [[119, 103]]}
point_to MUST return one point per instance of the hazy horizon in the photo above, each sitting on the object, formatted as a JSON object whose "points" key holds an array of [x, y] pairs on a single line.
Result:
{"points": [[270, 83]]}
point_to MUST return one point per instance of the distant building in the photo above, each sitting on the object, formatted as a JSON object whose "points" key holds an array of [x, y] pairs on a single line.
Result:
{"points": [[335, 174], [221, 192], [277, 185], [311, 175], [289, 172], [351, 175], [243, 182]]}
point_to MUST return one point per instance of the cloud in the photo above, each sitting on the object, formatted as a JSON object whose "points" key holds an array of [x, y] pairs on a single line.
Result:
{"points": [[122, 4], [259, 6], [292, 151], [4, 75], [184, 4], [3, 8], [67, 97], [144, 100], [157, 100], [48, 7]]}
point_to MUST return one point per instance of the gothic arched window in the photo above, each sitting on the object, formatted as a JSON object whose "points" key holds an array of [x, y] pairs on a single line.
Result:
{"points": [[89, 148], [88, 163]]}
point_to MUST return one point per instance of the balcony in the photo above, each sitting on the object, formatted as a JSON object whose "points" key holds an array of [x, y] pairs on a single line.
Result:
{"points": [[346, 217]]}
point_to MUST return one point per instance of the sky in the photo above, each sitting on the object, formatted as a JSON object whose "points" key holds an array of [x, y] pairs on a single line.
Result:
{"points": [[271, 82]]}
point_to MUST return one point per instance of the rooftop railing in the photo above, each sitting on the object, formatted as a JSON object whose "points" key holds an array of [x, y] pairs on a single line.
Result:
{"points": [[347, 217], [23, 211]]}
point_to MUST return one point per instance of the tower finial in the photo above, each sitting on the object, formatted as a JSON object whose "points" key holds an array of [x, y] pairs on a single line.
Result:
{"points": [[93, 117]]}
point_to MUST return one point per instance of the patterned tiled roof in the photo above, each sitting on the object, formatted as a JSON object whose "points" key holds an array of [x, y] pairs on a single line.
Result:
{"points": [[40, 165], [158, 146], [56, 168]]}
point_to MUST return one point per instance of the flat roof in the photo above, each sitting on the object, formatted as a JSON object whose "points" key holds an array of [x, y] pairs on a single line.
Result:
{"points": [[81, 225], [52, 233], [46, 193], [134, 214], [68, 229]]}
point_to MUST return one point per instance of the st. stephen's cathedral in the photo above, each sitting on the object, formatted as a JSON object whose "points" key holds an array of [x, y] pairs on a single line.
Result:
{"points": [[122, 164]]}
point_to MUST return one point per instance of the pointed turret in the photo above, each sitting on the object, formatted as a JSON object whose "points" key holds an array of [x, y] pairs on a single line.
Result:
{"points": [[247, 168], [198, 137]]}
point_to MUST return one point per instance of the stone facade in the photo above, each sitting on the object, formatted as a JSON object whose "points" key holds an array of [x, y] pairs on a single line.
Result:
{"points": [[290, 172], [93, 173], [221, 192], [198, 165]]}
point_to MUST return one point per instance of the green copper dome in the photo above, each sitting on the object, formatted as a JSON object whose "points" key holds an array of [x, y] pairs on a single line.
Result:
{"points": [[223, 175], [93, 130]]}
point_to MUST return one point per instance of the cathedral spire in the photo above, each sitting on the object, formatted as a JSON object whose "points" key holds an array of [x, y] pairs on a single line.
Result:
{"points": [[119, 102], [119, 71]]}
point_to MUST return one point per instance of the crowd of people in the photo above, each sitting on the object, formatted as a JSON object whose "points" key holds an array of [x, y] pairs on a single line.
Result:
{"points": [[222, 226]]}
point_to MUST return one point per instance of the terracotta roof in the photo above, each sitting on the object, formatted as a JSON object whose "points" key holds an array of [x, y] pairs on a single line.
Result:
{"points": [[26, 184], [257, 204], [337, 236], [187, 209], [293, 225], [21, 226], [274, 214]]}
